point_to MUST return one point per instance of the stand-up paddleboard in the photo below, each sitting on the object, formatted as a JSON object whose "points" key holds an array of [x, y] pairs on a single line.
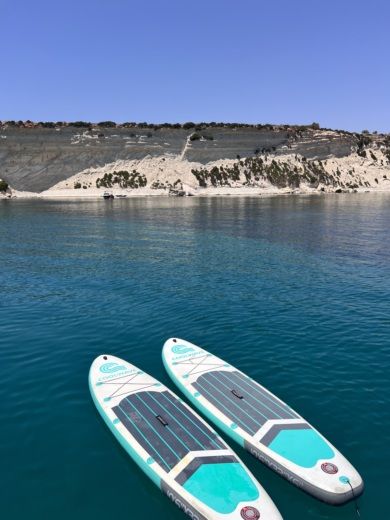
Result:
{"points": [[268, 428], [180, 453]]}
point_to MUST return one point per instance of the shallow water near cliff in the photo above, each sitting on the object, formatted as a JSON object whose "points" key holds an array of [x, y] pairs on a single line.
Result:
{"points": [[294, 291]]}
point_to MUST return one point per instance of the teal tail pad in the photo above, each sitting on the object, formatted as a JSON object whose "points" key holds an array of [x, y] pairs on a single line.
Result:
{"points": [[298, 443], [164, 427], [221, 483], [242, 400]]}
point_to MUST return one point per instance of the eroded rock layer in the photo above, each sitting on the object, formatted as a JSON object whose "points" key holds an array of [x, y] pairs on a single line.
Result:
{"points": [[36, 158]]}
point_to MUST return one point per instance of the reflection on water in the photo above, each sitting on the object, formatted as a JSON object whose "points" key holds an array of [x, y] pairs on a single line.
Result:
{"points": [[293, 290]]}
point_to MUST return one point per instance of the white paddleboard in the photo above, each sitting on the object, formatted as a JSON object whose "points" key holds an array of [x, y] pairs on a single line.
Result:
{"points": [[260, 422], [178, 451]]}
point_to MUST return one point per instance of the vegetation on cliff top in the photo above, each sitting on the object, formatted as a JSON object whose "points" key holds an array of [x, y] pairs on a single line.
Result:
{"points": [[195, 127], [196, 136]]}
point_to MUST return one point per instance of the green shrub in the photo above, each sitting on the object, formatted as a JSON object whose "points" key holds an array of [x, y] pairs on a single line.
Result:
{"points": [[3, 186], [158, 185], [109, 124], [80, 124], [255, 169], [123, 178], [199, 134]]}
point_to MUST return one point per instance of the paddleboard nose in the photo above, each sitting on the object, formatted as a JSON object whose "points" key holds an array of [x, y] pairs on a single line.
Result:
{"points": [[178, 347]]}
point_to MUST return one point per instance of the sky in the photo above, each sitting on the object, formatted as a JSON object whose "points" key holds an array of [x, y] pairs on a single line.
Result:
{"points": [[281, 62]]}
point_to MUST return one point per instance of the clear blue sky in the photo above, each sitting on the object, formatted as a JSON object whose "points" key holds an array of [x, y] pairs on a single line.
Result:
{"points": [[206, 60]]}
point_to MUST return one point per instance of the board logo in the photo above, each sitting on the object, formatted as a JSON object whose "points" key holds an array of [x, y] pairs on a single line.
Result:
{"points": [[181, 349], [329, 468], [250, 513], [182, 505], [111, 368]]}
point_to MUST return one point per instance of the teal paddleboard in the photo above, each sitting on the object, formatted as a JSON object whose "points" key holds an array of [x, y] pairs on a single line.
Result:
{"points": [[260, 422], [176, 449]]}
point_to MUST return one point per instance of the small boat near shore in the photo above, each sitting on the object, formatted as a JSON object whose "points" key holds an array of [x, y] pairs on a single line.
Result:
{"points": [[176, 193], [107, 195]]}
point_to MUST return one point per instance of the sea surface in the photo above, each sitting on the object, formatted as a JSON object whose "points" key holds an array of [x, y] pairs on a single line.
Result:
{"points": [[295, 291]]}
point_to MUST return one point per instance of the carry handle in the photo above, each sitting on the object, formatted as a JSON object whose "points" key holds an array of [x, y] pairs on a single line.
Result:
{"points": [[236, 394], [162, 420]]}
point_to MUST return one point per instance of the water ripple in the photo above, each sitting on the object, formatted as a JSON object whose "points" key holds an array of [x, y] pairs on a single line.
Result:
{"points": [[294, 291]]}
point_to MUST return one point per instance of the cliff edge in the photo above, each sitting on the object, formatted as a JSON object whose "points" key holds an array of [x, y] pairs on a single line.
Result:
{"points": [[38, 156]]}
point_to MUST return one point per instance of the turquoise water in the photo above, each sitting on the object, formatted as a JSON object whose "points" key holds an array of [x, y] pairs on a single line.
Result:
{"points": [[293, 290]]}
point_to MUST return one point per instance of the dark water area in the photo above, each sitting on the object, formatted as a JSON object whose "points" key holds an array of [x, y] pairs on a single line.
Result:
{"points": [[295, 291]]}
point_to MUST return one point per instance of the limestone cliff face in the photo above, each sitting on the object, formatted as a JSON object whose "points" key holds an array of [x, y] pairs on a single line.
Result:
{"points": [[36, 158]]}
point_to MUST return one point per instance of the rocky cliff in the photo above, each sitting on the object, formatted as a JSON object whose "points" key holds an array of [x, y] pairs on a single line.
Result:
{"points": [[35, 157]]}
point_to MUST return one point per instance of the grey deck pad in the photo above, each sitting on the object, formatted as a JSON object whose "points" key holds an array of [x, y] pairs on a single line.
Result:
{"points": [[241, 399], [165, 428], [195, 464], [277, 428]]}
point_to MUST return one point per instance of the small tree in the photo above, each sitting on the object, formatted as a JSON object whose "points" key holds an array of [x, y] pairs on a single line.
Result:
{"points": [[3, 186], [108, 124], [80, 124]]}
